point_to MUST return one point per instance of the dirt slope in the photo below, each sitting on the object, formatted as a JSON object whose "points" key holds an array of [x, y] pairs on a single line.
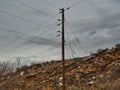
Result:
{"points": [[100, 71]]}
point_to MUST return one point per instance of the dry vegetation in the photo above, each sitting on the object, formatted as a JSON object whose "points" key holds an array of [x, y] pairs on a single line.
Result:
{"points": [[100, 71]]}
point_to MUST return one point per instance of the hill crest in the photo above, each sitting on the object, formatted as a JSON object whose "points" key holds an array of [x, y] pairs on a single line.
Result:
{"points": [[100, 71]]}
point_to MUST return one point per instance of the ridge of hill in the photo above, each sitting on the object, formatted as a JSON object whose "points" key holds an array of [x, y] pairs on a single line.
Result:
{"points": [[98, 71]]}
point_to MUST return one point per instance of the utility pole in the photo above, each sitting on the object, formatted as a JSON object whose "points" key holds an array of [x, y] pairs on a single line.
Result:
{"points": [[63, 50]]}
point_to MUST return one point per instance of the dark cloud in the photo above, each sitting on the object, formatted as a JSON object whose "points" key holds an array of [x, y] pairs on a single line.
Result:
{"points": [[95, 23], [42, 41], [92, 26], [100, 32]]}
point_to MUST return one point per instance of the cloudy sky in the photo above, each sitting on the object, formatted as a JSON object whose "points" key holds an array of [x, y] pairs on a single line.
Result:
{"points": [[28, 28]]}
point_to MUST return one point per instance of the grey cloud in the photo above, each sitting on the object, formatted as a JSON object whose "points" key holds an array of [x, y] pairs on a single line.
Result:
{"points": [[42, 41], [91, 26], [116, 1], [90, 31], [95, 24], [6, 3], [11, 34]]}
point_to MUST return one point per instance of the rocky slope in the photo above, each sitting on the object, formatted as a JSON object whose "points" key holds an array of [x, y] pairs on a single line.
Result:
{"points": [[100, 71]]}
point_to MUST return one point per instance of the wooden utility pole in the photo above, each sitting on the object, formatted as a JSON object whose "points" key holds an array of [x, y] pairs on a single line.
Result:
{"points": [[63, 49]]}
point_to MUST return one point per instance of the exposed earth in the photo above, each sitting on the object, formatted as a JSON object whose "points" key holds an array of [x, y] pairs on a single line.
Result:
{"points": [[98, 71]]}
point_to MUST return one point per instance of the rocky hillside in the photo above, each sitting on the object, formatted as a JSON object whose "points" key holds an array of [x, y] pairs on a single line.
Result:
{"points": [[99, 71]]}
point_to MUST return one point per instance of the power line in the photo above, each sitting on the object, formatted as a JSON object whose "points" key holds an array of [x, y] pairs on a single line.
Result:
{"points": [[24, 42], [77, 3], [50, 4], [76, 37], [43, 23], [28, 47], [39, 11], [38, 24], [42, 34], [34, 8], [10, 30], [21, 18], [5, 12], [68, 55], [23, 34], [24, 20], [69, 44], [73, 5], [3, 28], [27, 19], [34, 29], [52, 17]]}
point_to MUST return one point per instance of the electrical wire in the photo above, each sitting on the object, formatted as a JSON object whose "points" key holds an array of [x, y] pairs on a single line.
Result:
{"points": [[27, 47], [50, 4], [39, 44], [76, 37], [27, 19], [25, 34], [67, 52], [77, 3], [38, 10], [38, 24], [73, 5], [69, 44], [25, 42], [78, 41], [43, 23], [18, 17], [13, 31], [21, 18]]}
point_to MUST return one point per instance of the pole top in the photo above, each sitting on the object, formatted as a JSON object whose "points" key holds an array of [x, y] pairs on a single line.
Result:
{"points": [[62, 9]]}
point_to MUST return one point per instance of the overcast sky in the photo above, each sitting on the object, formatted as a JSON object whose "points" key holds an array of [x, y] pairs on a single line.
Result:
{"points": [[28, 28]]}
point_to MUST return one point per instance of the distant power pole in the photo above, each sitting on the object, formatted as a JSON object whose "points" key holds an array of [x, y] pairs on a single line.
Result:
{"points": [[63, 49]]}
